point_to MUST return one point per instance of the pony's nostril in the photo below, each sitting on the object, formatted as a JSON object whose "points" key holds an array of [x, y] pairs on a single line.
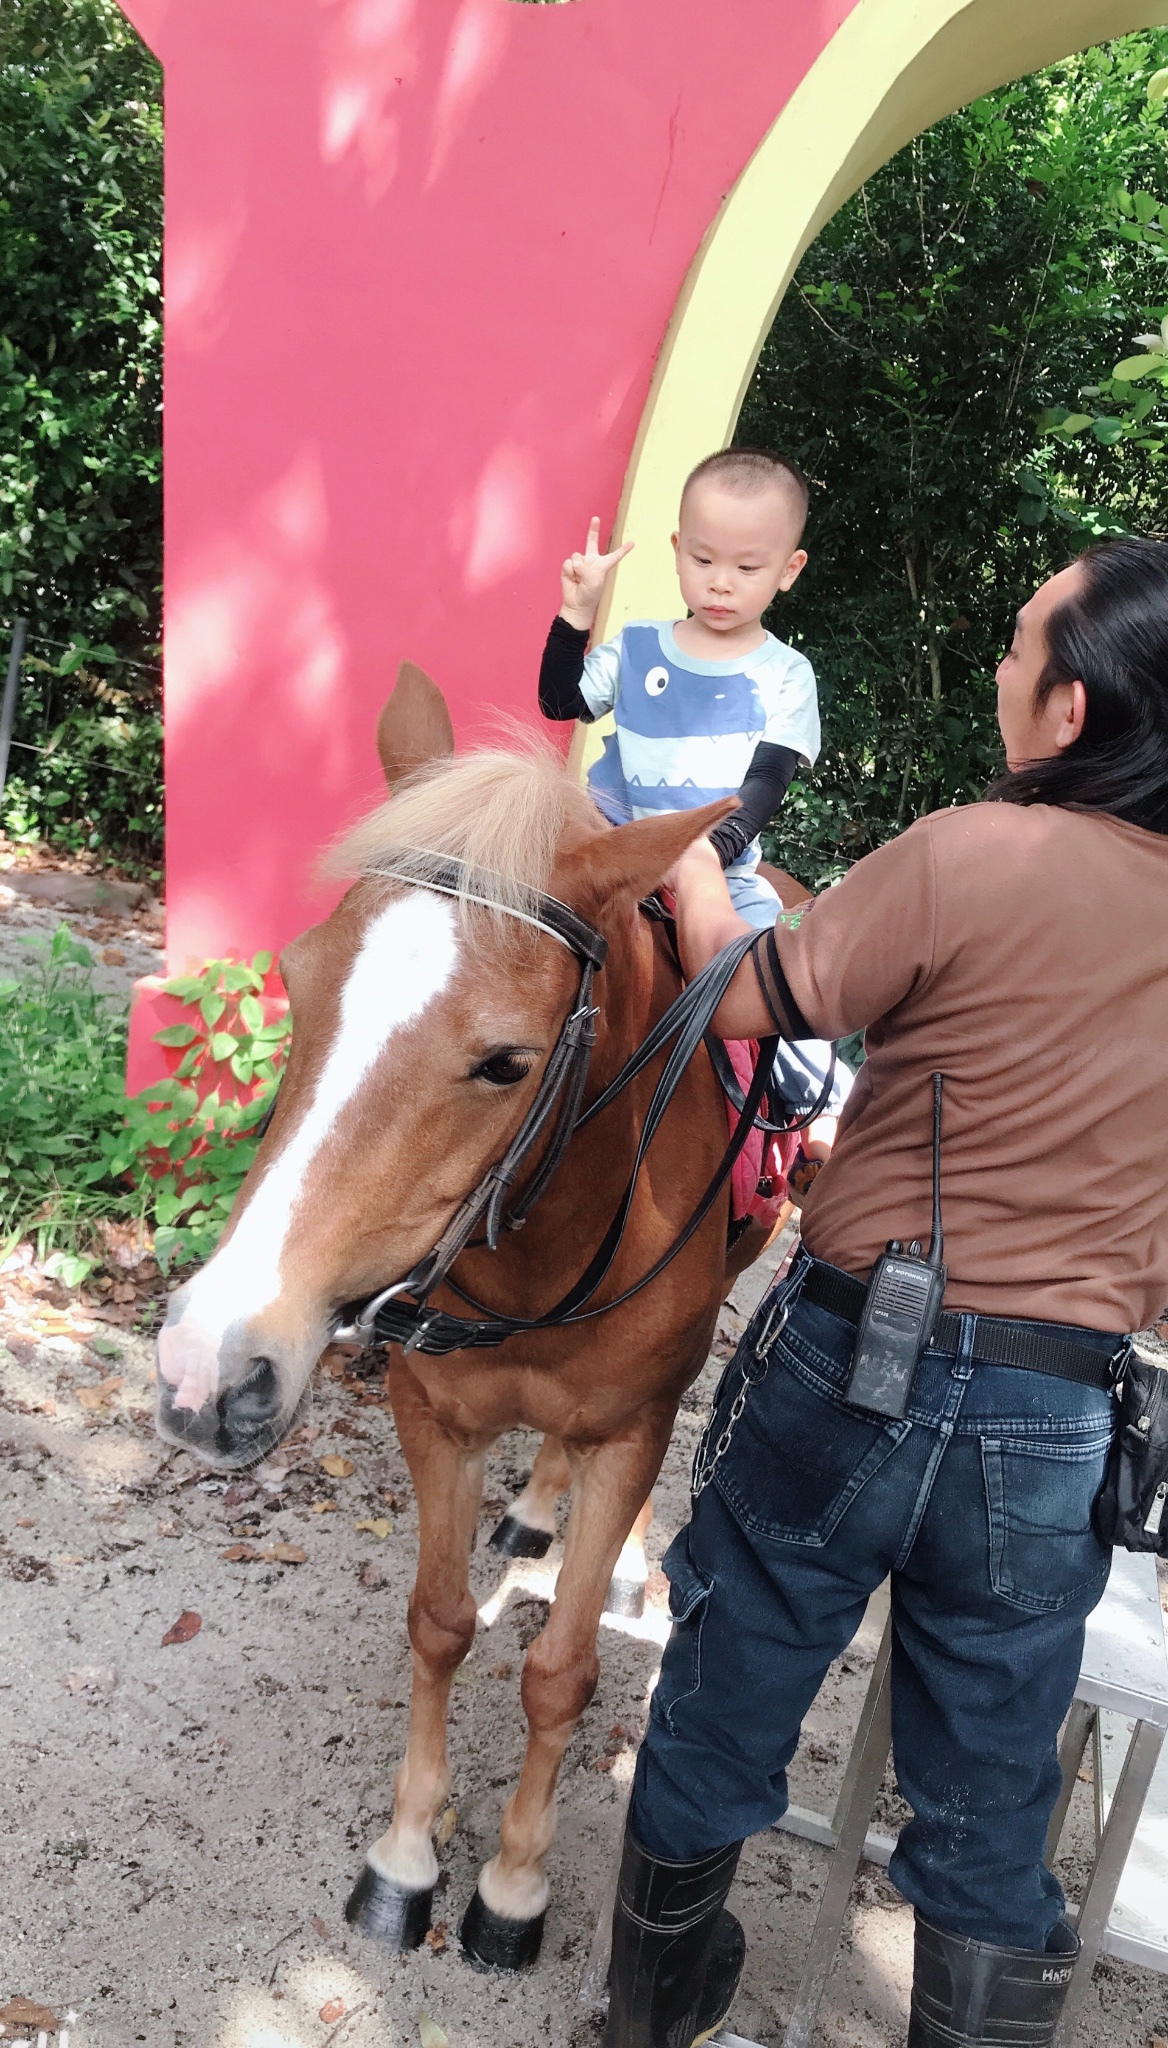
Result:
{"points": [[254, 1400]]}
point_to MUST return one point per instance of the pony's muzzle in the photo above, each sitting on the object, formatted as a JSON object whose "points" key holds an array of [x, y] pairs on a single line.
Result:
{"points": [[230, 1404]]}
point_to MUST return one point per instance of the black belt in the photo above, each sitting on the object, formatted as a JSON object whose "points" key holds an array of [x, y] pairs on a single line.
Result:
{"points": [[1036, 1347]]}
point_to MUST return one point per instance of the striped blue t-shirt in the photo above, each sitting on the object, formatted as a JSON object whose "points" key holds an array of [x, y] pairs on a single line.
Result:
{"points": [[686, 729]]}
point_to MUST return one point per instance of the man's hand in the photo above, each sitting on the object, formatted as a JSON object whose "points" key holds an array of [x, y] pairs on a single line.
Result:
{"points": [[583, 577]]}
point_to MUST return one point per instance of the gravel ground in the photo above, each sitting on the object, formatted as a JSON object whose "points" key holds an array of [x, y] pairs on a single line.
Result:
{"points": [[184, 1821], [123, 948]]}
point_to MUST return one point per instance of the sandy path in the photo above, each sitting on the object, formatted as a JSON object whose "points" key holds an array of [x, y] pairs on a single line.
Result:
{"points": [[183, 1823], [124, 947]]}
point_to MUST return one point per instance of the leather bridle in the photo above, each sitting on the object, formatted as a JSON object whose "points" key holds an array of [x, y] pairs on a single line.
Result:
{"points": [[400, 1314]]}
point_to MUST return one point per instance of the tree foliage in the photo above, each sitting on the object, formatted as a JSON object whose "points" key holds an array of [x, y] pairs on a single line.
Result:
{"points": [[942, 368], [80, 410]]}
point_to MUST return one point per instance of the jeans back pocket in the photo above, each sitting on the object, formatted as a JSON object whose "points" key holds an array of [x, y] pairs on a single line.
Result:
{"points": [[800, 1453], [1040, 1490]]}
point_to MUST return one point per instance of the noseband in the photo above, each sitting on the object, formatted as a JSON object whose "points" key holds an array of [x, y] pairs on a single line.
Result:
{"points": [[399, 1314]]}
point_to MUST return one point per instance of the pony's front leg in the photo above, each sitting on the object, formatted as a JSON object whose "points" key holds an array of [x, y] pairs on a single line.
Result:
{"points": [[394, 1893], [503, 1925], [626, 1593]]}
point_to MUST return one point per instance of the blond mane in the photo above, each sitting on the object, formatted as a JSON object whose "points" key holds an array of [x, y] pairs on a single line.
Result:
{"points": [[502, 812]]}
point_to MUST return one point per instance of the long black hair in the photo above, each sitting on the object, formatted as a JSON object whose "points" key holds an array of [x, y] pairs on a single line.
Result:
{"points": [[1112, 633]]}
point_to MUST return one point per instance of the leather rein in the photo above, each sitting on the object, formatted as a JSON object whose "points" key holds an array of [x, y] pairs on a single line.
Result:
{"points": [[400, 1314]]}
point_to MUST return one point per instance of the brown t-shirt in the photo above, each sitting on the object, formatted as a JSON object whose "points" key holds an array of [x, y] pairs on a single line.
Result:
{"points": [[1023, 952]]}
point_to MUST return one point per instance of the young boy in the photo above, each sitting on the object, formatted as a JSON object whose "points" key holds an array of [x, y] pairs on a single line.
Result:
{"points": [[712, 704]]}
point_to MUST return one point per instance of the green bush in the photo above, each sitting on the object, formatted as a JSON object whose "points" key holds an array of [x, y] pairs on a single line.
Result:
{"points": [[185, 1139], [74, 1151], [921, 370], [62, 1092], [80, 420]]}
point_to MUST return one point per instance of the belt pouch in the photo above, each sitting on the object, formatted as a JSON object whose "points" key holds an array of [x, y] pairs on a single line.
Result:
{"points": [[1131, 1510]]}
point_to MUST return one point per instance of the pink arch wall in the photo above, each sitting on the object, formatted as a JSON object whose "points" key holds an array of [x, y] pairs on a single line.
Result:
{"points": [[420, 258]]}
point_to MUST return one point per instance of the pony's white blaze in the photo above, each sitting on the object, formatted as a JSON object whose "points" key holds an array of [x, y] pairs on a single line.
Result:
{"points": [[407, 957]]}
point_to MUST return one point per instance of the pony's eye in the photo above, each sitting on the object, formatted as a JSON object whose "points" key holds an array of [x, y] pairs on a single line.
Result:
{"points": [[504, 1069], [656, 680]]}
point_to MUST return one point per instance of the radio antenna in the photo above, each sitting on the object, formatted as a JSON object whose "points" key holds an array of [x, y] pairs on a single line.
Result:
{"points": [[937, 1240]]}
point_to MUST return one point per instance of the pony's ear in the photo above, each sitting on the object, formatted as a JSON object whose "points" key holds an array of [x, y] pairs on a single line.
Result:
{"points": [[632, 860], [414, 727]]}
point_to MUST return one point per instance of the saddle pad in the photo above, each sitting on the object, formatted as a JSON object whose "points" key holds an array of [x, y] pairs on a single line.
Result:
{"points": [[758, 1183]]}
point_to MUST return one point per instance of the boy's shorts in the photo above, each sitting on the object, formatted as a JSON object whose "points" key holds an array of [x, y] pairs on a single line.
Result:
{"points": [[752, 897]]}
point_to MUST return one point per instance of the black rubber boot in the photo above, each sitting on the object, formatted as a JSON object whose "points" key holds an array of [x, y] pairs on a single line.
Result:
{"points": [[677, 1954], [968, 1994]]}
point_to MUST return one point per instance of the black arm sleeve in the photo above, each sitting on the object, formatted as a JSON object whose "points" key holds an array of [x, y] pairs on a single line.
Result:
{"points": [[764, 786], [560, 671]]}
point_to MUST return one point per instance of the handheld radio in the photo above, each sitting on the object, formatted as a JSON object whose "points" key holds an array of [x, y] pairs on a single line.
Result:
{"points": [[900, 1308]]}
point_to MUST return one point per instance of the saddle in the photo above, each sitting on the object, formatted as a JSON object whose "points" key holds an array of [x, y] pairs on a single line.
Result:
{"points": [[759, 1187]]}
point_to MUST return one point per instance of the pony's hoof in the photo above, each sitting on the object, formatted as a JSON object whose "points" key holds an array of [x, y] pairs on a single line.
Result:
{"points": [[513, 1538], [389, 1912], [625, 1598], [491, 1943]]}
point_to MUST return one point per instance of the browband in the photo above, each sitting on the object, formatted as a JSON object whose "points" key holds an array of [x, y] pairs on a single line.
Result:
{"points": [[552, 916]]}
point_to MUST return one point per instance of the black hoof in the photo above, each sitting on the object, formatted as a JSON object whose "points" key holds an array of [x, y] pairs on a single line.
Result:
{"points": [[513, 1538], [626, 1598], [492, 1943], [387, 1911]]}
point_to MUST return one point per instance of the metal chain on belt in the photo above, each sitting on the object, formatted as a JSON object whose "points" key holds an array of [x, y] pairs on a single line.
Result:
{"points": [[705, 1463]]}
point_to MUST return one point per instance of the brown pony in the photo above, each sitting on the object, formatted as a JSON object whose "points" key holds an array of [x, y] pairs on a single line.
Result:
{"points": [[423, 1024]]}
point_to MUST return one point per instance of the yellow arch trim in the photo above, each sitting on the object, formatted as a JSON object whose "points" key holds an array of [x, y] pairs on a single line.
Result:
{"points": [[892, 68]]}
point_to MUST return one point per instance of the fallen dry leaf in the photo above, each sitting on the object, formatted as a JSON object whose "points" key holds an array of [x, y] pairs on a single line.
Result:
{"points": [[431, 2033], [377, 1525], [501, 1671], [168, 1529], [285, 1553], [324, 1507], [75, 1557], [436, 1937], [113, 956], [25, 1522], [336, 1466], [371, 1576], [25, 2012], [99, 1397], [239, 1553], [90, 1678], [26, 1569], [331, 2011], [320, 1927], [446, 1827], [187, 1625]]}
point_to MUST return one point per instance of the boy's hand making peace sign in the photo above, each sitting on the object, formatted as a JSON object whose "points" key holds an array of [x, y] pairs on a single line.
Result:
{"points": [[582, 579]]}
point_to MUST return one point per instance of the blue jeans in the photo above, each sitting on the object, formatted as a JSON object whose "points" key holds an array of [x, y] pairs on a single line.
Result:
{"points": [[979, 1505]]}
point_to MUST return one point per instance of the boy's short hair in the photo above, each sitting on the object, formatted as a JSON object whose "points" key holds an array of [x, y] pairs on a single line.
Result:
{"points": [[747, 470]]}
